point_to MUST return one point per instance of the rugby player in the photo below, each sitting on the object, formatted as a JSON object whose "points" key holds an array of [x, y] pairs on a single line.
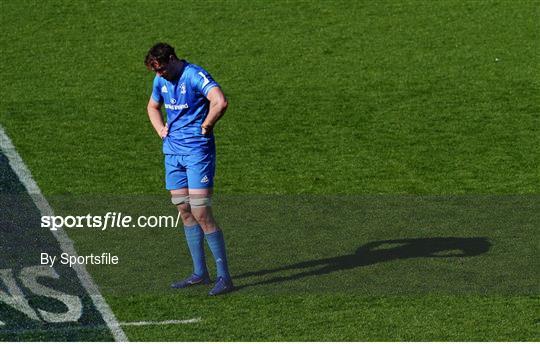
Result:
{"points": [[194, 103]]}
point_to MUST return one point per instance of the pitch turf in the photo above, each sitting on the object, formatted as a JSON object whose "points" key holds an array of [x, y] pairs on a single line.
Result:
{"points": [[347, 98]]}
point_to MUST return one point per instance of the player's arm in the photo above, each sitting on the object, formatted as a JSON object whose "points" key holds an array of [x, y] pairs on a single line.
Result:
{"points": [[218, 106], [156, 118]]}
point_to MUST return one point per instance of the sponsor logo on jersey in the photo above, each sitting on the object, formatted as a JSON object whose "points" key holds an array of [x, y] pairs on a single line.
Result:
{"points": [[176, 107], [164, 89]]}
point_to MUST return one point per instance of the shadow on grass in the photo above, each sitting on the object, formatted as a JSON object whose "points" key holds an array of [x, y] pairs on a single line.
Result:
{"points": [[377, 252]]}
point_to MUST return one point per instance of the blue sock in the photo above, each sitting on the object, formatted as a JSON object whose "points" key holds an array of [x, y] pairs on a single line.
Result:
{"points": [[195, 241], [217, 246]]}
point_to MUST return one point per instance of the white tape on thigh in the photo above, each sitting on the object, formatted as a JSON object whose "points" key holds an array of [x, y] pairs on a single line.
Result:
{"points": [[179, 199], [201, 202]]}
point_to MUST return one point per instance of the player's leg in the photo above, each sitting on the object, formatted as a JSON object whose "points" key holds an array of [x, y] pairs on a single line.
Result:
{"points": [[202, 211], [200, 173], [180, 198], [176, 182]]}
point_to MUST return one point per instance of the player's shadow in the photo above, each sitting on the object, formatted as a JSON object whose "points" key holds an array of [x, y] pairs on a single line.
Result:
{"points": [[377, 252]]}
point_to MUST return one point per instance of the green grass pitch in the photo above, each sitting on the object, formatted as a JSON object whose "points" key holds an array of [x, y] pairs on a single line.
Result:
{"points": [[358, 133]]}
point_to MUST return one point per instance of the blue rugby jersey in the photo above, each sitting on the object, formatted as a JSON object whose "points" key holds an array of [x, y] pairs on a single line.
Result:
{"points": [[187, 107]]}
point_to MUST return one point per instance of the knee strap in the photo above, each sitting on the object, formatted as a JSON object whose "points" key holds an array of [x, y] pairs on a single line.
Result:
{"points": [[200, 202], [179, 199]]}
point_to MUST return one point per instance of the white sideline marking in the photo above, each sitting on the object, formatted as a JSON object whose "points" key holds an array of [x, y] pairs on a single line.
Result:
{"points": [[2, 323], [165, 322], [66, 245]]}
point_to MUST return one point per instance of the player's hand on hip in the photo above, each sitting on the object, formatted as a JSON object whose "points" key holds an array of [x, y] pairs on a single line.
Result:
{"points": [[164, 131], [206, 129]]}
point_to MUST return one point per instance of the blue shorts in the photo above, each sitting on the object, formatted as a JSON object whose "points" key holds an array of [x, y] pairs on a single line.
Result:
{"points": [[194, 171]]}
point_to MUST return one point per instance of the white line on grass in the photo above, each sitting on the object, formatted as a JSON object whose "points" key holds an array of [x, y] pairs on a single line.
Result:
{"points": [[165, 322], [65, 330], [2, 323], [66, 245]]}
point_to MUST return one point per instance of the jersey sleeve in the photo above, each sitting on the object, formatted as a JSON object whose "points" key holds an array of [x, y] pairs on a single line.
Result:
{"points": [[202, 81], [156, 91]]}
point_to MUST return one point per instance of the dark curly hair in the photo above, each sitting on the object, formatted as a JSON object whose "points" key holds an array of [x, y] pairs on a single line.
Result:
{"points": [[160, 53]]}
